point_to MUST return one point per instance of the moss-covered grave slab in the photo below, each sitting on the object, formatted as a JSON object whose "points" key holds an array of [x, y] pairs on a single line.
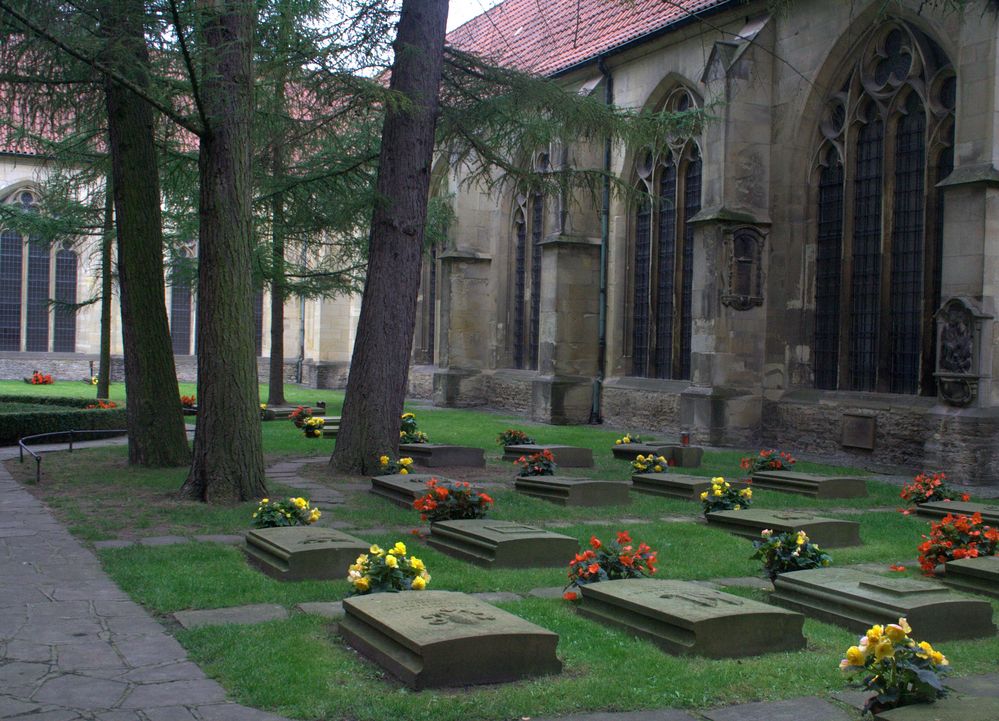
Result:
{"points": [[441, 638], [502, 543], [570, 491], [809, 484], [685, 618], [858, 600]]}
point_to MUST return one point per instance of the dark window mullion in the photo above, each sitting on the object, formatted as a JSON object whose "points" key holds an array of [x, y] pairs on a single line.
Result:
{"points": [[640, 297], [519, 291], [866, 275], [691, 206], [537, 235]]}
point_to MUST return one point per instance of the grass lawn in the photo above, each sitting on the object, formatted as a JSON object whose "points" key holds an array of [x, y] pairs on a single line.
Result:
{"points": [[299, 667]]}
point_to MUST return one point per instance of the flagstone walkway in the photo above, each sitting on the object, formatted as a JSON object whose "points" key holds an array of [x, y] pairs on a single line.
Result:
{"points": [[72, 644]]}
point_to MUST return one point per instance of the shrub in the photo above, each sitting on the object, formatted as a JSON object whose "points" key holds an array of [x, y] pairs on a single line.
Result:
{"points": [[513, 437], [956, 537], [378, 571], [452, 501], [408, 433], [788, 551], [388, 466], [767, 460], [650, 463], [66, 414], [898, 669], [609, 561], [930, 488], [292, 512], [538, 464], [723, 497]]}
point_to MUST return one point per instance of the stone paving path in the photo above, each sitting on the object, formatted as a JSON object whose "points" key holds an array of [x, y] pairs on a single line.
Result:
{"points": [[72, 644]]}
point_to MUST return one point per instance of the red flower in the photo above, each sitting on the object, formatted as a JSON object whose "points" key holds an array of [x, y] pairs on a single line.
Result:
{"points": [[595, 542], [570, 596], [623, 537], [896, 567]]}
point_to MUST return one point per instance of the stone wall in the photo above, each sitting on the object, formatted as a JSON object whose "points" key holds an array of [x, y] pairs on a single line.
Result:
{"points": [[912, 434], [641, 403], [62, 366], [421, 382]]}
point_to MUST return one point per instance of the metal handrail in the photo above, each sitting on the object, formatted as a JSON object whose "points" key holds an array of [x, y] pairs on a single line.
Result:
{"points": [[22, 446]]}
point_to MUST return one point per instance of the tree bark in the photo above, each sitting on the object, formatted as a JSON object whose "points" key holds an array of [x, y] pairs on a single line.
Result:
{"points": [[228, 464], [156, 433], [107, 238], [379, 367], [275, 387]]}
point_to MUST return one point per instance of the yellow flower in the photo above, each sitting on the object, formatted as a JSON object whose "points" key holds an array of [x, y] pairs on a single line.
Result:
{"points": [[362, 584], [738, 507], [399, 549], [403, 472], [384, 460], [254, 515], [902, 622], [263, 406], [265, 500], [894, 632], [718, 492], [406, 461], [419, 584], [408, 415], [874, 633], [314, 515], [299, 502], [884, 649], [746, 493], [657, 468], [391, 561], [802, 538], [855, 656], [416, 564], [402, 433], [704, 496], [376, 550]]}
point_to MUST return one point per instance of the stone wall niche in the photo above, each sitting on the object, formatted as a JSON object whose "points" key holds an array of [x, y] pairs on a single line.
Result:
{"points": [[963, 360]]}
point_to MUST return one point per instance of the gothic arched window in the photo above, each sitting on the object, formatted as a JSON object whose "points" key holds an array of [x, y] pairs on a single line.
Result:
{"points": [[528, 233], [64, 326], [887, 137], [663, 256]]}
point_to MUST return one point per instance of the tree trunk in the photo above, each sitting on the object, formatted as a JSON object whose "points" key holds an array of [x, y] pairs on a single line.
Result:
{"points": [[275, 388], [228, 463], [107, 238], [156, 433], [379, 367]]}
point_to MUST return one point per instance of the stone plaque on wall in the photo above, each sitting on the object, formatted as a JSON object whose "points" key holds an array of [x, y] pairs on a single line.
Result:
{"points": [[859, 431]]}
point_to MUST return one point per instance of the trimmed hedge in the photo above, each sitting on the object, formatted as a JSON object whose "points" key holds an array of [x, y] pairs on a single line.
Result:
{"points": [[69, 414]]}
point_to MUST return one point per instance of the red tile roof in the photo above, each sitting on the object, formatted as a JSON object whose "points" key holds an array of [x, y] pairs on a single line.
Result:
{"points": [[548, 36]]}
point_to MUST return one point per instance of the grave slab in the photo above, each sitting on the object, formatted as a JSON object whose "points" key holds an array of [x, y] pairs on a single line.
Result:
{"points": [[749, 522], [808, 484], [858, 600], [684, 618], [403, 489], [244, 615], [432, 639], [435, 455], [974, 575], [301, 552], [686, 456], [565, 456], [502, 543], [939, 509], [631, 451], [569, 491], [957, 708], [326, 609], [674, 485]]}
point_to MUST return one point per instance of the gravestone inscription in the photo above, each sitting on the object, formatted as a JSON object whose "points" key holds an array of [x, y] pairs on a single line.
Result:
{"points": [[302, 552]]}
